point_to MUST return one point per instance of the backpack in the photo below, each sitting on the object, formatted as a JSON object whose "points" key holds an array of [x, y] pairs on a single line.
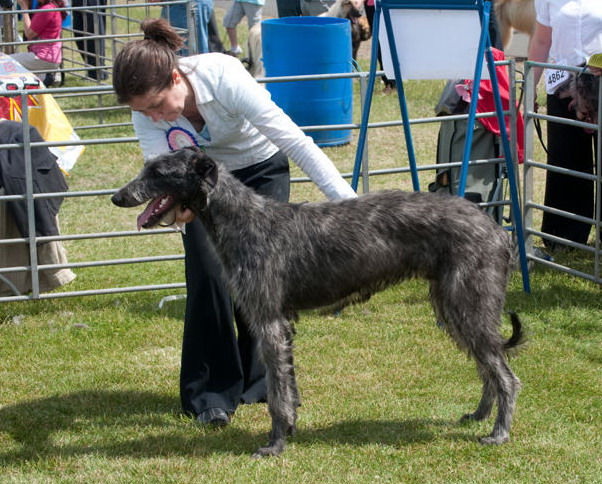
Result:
{"points": [[482, 181]]}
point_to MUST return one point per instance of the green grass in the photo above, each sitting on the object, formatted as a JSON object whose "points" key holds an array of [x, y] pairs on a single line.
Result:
{"points": [[89, 388], [90, 393]]}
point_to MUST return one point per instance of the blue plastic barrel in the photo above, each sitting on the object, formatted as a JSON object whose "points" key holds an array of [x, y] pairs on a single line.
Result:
{"points": [[311, 45]]}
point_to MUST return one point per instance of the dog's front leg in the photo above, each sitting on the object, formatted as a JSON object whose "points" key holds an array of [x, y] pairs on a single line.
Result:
{"points": [[276, 350]]}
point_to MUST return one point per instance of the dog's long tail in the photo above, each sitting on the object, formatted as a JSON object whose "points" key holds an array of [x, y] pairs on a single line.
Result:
{"points": [[518, 335]]}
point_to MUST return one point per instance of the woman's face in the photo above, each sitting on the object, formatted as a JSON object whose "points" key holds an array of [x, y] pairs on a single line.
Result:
{"points": [[165, 105]]}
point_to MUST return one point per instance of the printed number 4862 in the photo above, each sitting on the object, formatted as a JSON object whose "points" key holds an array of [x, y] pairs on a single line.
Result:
{"points": [[556, 76]]}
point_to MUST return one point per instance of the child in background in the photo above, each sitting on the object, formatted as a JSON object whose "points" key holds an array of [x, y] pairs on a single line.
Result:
{"points": [[239, 9], [45, 24]]}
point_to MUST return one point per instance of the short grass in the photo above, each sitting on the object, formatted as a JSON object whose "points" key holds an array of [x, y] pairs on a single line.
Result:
{"points": [[89, 388], [90, 392]]}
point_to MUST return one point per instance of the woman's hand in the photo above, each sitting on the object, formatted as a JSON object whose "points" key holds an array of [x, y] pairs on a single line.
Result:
{"points": [[24, 4], [596, 71], [183, 214]]}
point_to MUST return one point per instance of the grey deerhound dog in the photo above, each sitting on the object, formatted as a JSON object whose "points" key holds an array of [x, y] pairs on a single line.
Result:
{"points": [[279, 258]]}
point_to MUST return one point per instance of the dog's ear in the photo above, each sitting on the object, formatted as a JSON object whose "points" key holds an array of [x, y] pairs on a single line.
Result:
{"points": [[206, 168]]}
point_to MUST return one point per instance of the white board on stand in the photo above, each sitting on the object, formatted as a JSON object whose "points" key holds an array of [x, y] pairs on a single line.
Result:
{"points": [[433, 44]]}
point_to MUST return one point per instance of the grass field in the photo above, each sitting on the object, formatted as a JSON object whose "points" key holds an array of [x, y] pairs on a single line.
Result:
{"points": [[89, 388]]}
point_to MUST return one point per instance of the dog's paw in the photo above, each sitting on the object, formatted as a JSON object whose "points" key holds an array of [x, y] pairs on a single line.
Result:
{"points": [[467, 418], [271, 450], [472, 417], [489, 440]]}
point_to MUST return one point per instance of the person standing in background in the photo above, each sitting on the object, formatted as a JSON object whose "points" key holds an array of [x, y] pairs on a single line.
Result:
{"points": [[44, 24], [288, 8], [202, 12], [91, 23], [239, 9], [567, 33]]}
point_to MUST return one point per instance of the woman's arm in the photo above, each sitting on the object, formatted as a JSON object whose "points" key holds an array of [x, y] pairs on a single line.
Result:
{"points": [[29, 34], [539, 47], [240, 94]]}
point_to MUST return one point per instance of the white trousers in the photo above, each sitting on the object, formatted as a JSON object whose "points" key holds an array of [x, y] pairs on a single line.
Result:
{"points": [[33, 63]]}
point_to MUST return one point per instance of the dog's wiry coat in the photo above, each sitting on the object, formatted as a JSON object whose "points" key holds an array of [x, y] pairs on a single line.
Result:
{"points": [[280, 258]]}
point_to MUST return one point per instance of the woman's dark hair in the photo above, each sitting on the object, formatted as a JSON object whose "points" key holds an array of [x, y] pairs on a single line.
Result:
{"points": [[146, 65], [57, 4]]}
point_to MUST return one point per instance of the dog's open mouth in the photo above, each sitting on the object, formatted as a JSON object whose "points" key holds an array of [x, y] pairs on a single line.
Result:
{"points": [[155, 211]]}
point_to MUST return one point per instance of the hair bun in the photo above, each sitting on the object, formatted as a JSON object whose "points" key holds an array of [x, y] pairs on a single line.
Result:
{"points": [[160, 31]]}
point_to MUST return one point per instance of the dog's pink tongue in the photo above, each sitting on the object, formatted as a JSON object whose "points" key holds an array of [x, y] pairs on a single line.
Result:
{"points": [[150, 209]]}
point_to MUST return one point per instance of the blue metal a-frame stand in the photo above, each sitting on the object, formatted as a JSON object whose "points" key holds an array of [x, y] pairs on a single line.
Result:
{"points": [[483, 7]]}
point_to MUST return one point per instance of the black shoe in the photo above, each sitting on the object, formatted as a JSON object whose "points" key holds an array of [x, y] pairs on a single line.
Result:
{"points": [[216, 417], [48, 79], [98, 75]]}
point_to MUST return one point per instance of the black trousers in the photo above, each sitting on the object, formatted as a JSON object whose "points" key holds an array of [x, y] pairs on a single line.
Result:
{"points": [[568, 147], [288, 8], [91, 23], [218, 368]]}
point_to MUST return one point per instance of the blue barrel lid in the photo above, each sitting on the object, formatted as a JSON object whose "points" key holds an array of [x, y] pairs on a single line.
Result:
{"points": [[305, 21]]}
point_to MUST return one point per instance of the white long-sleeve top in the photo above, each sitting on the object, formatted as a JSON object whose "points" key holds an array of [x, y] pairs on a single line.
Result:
{"points": [[243, 126], [576, 28]]}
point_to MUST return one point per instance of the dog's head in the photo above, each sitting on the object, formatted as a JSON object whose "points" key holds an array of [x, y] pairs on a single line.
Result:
{"points": [[349, 9], [186, 176], [583, 89], [354, 8], [587, 87]]}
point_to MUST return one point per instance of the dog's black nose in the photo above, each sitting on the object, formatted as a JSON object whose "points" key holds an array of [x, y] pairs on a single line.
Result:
{"points": [[117, 199]]}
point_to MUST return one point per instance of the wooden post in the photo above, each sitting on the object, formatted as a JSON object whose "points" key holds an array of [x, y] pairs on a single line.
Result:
{"points": [[8, 32]]}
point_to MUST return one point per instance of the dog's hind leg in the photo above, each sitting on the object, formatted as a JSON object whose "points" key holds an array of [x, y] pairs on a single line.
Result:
{"points": [[507, 386], [486, 404], [498, 381], [283, 396], [471, 318]]}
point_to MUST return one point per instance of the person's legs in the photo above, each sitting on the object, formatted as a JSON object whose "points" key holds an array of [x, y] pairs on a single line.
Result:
{"points": [[271, 179], [203, 11], [288, 8], [233, 38], [215, 41], [252, 12], [177, 17], [219, 371], [231, 20], [91, 23], [568, 147], [211, 372], [32, 63]]}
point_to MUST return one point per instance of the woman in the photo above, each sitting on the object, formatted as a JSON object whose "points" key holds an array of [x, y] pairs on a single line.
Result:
{"points": [[210, 100], [45, 24], [567, 33]]}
